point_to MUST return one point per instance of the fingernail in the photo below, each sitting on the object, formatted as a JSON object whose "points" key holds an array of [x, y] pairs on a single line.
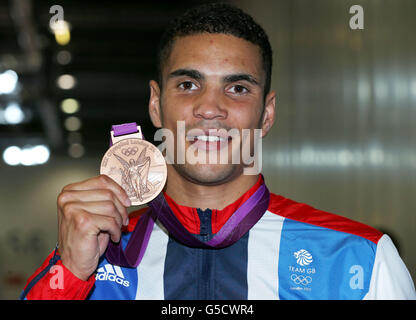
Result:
{"points": [[127, 202]]}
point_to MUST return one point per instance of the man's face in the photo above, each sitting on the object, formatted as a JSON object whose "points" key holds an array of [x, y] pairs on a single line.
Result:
{"points": [[211, 81]]}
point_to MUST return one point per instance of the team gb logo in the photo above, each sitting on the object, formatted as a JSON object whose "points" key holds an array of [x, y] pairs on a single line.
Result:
{"points": [[303, 257]]}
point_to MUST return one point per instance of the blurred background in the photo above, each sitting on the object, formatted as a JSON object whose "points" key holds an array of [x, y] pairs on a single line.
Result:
{"points": [[344, 140]]}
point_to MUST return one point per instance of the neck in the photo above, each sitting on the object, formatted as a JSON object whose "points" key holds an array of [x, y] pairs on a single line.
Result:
{"points": [[191, 194]]}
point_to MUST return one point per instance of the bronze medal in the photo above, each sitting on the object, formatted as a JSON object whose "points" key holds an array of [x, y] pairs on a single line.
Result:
{"points": [[138, 167]]}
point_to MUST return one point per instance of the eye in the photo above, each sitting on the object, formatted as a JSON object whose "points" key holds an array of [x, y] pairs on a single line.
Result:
{"points": [[187, 85], [238, 89]]}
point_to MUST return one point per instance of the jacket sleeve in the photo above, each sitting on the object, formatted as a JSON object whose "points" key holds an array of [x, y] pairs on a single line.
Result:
{"points": [[390, 279], [53, 281]]}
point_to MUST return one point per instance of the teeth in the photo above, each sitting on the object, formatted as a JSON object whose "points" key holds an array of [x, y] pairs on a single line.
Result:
{"points": [[210, 138]]}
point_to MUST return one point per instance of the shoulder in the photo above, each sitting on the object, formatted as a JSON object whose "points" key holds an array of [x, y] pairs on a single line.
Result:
{"points": [[304, 213], [390, 278]]}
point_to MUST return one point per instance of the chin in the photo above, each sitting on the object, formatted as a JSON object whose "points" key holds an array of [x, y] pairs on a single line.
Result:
{"points": [[208, 174]]}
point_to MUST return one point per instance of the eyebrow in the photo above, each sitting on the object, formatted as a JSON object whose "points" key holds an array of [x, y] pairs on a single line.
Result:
{"points": [[241, 77], [192, 73], [195, 74]]}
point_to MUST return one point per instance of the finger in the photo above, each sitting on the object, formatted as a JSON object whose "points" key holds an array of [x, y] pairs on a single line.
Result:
{"points": [[94, 196], [101, 182], [102, 208], [106, 224]]}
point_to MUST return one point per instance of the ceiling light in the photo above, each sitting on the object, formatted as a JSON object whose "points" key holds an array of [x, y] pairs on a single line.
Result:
{"points": [[8, 81], [40, 154], [69, 106], [27, 156], [11, 156], [72, 123], [13, 114], [76, 150], [63, 57], [66, 81], [62, 32]]}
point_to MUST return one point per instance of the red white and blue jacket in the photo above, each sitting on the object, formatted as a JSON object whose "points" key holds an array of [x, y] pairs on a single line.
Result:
{"points": [[293, 252]]}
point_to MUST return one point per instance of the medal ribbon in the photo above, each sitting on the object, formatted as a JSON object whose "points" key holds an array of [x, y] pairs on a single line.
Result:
{"points": [[242, 220]]}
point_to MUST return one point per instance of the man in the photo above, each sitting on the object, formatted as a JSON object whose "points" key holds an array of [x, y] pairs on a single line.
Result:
{"points": [[215, 69]]}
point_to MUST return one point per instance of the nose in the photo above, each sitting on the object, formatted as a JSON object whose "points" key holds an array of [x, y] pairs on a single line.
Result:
{"points": [[209, 106]]}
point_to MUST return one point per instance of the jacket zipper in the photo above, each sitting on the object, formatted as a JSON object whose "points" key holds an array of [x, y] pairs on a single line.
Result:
{"points": [[205, 256]]}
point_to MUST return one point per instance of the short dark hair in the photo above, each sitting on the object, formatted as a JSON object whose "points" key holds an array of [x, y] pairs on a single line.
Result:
{"points": [[217, 18]]}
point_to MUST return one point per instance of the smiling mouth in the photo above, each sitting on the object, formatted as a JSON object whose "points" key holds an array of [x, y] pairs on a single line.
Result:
{"points": [[208, 142], [208, 138]]}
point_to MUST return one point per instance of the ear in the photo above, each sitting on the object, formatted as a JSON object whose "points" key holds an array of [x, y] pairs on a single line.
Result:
{"points": [[268, 113], [154, 104]]}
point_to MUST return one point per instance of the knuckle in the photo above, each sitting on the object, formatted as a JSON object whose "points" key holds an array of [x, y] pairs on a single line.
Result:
{"points": [[110, 206], [62, 199], [67, 187], [81, 220], [108, 194], [103, 179], [116, 224], [67, 208]]}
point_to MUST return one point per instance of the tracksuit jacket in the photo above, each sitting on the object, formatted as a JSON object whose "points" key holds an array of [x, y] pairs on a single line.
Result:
{"points": [[293, 252]]}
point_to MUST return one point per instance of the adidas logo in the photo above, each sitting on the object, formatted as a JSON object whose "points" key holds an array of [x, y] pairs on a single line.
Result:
{"points": [[111, 273]]}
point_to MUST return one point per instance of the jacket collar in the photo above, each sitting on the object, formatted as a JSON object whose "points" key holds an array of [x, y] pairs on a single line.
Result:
{"points": [[189, 217]]}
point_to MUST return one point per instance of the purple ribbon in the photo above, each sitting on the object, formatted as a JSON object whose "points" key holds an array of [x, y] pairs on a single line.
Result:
{"points": [[242, 220], [125, 128]]}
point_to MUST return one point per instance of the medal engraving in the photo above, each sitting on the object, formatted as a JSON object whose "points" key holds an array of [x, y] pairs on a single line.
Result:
{"points": [[138, 167]]}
